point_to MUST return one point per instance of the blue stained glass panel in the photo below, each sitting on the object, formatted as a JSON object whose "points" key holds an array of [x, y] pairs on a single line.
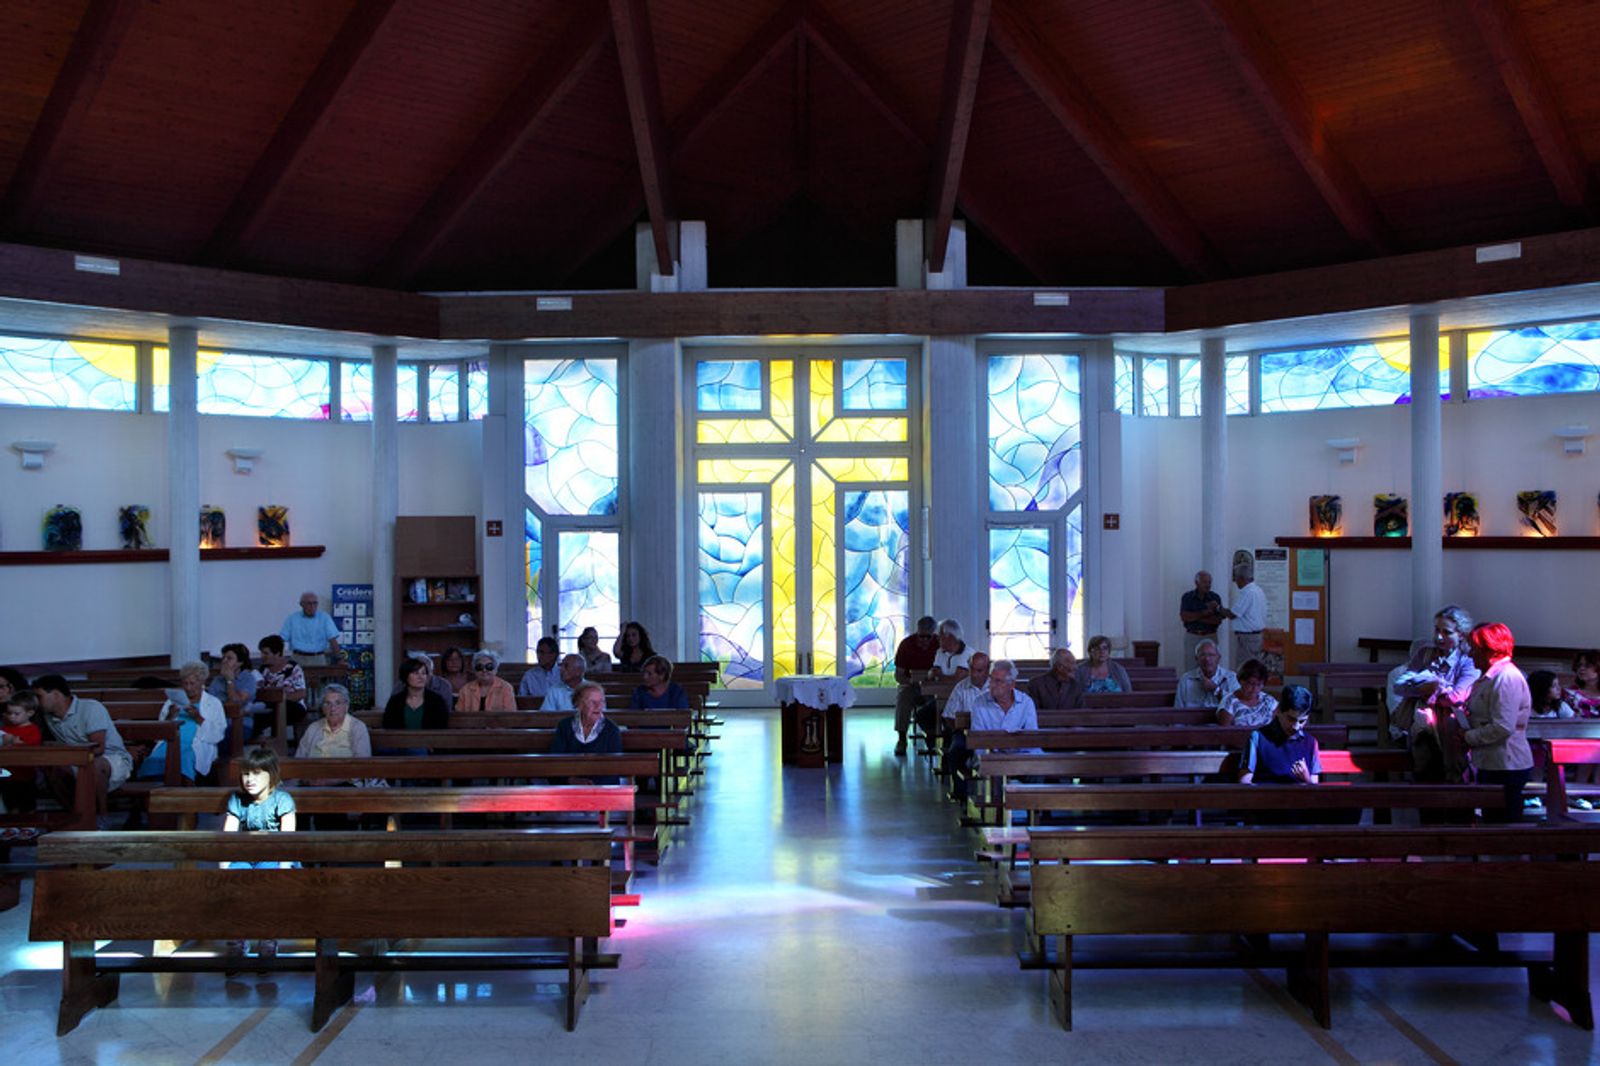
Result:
{"points": [[265, 386], [571, 435], [1074, 581], [874, 385], [97, 375], [723, 385], [1188, 388], [1534, 361], [355, 391], [1123, 383], [477, 391], [533, 542], [1019, 592], [1235, 385], [444, 392], [1349, 375], [1035, 449], [877, 581], [731, 564], [589, 588], [1156, 387]]}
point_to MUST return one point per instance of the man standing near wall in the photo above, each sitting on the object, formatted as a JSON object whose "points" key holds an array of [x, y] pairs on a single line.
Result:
{"points": [[1249, 614], [1201, 612], [912, 661], [311, 636]]}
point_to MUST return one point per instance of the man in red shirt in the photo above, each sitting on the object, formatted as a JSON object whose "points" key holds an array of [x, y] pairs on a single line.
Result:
{"points": [[912, 661]]}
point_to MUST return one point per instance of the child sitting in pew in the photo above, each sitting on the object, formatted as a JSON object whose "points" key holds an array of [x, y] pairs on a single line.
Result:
{"points": [[1282, 752], [1544, 687], [260, 806], [19, 790]]}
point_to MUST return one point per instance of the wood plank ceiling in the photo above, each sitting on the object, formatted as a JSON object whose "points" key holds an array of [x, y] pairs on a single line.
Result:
{"points": [[514, 144]]}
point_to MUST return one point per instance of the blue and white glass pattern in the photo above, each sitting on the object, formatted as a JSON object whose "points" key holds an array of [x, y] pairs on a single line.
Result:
{"points": [[444, 392], [1534, 361], [874, 385], [571, 436], [533, 543], [1155, 398], [1349, 375], [589, 587], [94, 375], [355, 391], [1123, 383], [1035, 449], [1019, 592], [727, 385], [1235, 385], [877, 581], [477, 391], [266, 386], [731, 564]]}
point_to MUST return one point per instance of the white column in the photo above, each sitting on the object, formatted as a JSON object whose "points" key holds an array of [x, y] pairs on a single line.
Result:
{"points": [[183, 493], [1427, 501], [503, 598], [1103, 587], [659, 595], [385, 506], [958, 545], [1215, 551]]}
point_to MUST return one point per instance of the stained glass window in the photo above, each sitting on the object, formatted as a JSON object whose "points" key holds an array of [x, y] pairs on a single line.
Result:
{"points": [[1371, 374], [725, 385], [98, 375], [855, 429], [444, 392], [781, 518], [265, 386], [1534, 360], [775, 428], [731, 563], [533, 566], [571, 427], [477, 390], [1123, 383], [590, 567], [877, 582], [874, 385], [355, 391], [1073, 576], [1235, 385], [1035, 449], [1188, 388], [1019, 592], [1155, 387]]}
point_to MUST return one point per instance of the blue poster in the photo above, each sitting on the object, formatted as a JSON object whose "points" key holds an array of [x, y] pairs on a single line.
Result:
{"points": [[352, 613]]}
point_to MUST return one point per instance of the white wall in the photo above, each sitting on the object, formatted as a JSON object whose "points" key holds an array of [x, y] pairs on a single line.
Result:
{"points": [[320, 471], [1493, 448]]}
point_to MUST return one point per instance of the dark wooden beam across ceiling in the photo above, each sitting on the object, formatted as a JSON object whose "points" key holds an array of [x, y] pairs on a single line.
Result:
{"points": [[630, 24], [1274, 87], [551, 76], [1047, 75], [305, 117], [969, 31], [1503, 34], [769, 42], [82, 72]]}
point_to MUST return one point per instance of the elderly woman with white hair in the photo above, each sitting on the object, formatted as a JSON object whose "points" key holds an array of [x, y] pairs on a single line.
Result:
{"points": [[487, 691], [1437, 681], [202, 725], [338, 734]]}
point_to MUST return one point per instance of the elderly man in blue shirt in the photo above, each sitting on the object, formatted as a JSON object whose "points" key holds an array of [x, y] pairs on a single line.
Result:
{"points": [[310, 636]]}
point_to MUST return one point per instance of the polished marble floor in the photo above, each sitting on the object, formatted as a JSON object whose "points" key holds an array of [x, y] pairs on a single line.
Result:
{"points": [[805, 916]]}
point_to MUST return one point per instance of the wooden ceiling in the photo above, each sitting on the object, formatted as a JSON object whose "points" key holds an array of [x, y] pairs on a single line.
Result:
{"points": [[513, 144]]}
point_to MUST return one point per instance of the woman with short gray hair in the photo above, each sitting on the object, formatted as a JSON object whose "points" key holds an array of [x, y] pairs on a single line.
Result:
{"points": [[1437, 680]]}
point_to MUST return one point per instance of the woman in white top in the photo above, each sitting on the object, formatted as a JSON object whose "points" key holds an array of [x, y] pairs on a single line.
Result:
{"points": [[950, 661], [202, 725], [1248, 705]]}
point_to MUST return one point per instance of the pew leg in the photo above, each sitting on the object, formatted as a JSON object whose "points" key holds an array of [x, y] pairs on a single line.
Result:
{"points": [[334, 986], [577, 983], [1308, 982], [1566, 980], [1061, 982], [82, 990]]}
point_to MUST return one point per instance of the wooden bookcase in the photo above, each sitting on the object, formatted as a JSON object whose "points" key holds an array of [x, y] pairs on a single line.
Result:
{"points": [[441, 552]]}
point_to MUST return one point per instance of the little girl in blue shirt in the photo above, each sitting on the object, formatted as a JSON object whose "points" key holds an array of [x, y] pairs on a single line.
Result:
{"points": [[259, 806]]}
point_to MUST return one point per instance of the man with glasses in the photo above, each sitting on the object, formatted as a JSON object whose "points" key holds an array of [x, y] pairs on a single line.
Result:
{"points": [[564, 689], [311, 636]]}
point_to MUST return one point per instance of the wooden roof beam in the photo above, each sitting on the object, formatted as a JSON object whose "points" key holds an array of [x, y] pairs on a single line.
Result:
{"points": [[303, 121], [1286, 105], [630, 24], [969, 30], [82, 72], [1503, 34], [1069, 101], [550, 77]]}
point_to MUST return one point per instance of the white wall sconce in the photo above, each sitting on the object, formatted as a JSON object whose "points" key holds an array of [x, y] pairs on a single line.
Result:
{"points": [[33, 452], [1572, 438], [1346, 447], [244, 459]]}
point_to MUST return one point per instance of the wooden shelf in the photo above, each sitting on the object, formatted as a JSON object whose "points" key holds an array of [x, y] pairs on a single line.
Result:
{"points": [[1450, 543], [155, 555], [441, 603]]}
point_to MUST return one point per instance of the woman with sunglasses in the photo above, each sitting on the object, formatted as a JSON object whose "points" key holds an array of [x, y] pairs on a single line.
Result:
{"points": [[487, 691]]}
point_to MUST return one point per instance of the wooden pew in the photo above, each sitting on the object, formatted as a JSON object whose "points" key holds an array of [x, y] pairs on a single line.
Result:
{"points": [[1554, 654], [1088, 738], [149, 712], [567, 896], [31, 758], [1556, 754], [1166, 697], [1074, 897], [1038, 800]]}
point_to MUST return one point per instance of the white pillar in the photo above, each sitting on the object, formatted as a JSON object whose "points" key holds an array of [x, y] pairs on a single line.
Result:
{"points": [[658, 593], [1104, 587], [1215, 551], [385, 506], [1427, 501], [503, 599], [958, 544], [183, 493]]}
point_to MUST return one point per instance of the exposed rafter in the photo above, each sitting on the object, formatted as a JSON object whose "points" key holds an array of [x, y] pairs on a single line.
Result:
{"points": [[1286, 105], [82, 73], [550, 77], [306, 116], [630, 24], [1047, 75], [1502, 32], [969, 30]]}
